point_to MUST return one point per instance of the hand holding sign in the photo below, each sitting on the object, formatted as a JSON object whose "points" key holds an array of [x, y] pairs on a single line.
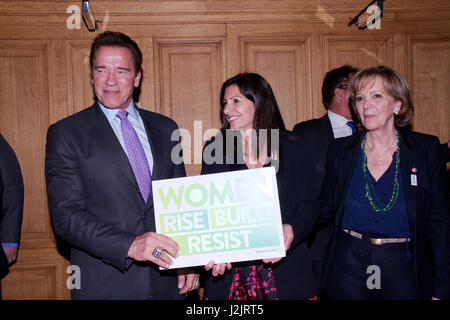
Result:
{"points": [[288, 236], [144, 245], [223, 217], [219, 269]]}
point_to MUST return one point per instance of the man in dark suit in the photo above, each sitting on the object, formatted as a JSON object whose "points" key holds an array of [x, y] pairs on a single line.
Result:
{"points": [[318, 133], [11, 205], [99, 167]]}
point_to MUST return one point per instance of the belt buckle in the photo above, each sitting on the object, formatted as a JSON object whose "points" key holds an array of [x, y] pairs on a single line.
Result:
{"points": [[375, 241], [363, 238]]}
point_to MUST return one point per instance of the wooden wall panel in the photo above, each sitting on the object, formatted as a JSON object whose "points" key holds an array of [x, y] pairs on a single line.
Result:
{"points": [[30, 283], [359, 51], [25, 69], [80, 94], [430, 83], [189, 79], [285, 64], [24, 121]]}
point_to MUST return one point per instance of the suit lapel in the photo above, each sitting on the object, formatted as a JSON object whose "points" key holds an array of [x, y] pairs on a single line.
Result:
{"points": [[155, 139], [409, 165], [346, 168], [107, 141], [327, 128]]}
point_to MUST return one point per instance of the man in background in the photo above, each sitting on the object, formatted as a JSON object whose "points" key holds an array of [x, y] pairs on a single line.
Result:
{"points": [[319, 132]]}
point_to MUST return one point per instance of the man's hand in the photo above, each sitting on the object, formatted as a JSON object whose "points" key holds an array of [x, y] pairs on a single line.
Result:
{"points": [[142, 249], [188, 280], [11, 255]]}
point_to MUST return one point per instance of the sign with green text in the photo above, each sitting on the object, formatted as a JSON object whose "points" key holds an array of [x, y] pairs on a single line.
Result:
{"points": [[224, 217]]}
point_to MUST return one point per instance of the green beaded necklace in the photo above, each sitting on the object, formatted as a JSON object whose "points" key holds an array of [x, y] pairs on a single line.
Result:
{"points": [[376, 203]]}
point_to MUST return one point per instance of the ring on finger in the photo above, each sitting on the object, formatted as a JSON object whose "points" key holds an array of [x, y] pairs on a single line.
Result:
{"points": [[157, 252]]}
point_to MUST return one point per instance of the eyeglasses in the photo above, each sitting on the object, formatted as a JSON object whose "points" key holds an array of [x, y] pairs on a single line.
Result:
{"points": [[343, 86]]}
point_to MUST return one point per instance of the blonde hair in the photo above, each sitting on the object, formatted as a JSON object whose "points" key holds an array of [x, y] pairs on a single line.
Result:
{"points": [[395, 86]]}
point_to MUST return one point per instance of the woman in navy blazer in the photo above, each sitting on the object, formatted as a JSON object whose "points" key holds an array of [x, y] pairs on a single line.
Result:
{"points": [[387, 191]]}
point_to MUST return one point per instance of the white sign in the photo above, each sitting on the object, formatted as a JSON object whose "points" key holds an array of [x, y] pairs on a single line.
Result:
{"points": [[225, 217]]}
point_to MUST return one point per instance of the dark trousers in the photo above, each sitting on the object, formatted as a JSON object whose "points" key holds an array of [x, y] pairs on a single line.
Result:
{"points": [[317, 268], [362, 271]]}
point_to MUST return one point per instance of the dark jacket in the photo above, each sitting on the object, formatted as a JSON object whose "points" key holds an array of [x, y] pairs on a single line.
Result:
{"points": [[318, 134], [11, 198]]}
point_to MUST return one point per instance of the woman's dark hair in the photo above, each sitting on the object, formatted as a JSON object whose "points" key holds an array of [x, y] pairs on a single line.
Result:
{"points": [[267, 113], [116, 39], [255, 88], [395, 86]]}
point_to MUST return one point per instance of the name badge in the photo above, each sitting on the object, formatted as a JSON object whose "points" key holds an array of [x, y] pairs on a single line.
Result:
{"points": [[414, 180]]}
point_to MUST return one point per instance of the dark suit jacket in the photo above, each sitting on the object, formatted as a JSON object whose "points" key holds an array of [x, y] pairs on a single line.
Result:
{"points": [[427, 203], [96, 205], [11, 197], [293, 275], [318, 134], [446, 158]]}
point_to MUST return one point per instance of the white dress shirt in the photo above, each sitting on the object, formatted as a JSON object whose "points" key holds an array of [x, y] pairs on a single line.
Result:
{"points": [[137, 124], [339, 125]]}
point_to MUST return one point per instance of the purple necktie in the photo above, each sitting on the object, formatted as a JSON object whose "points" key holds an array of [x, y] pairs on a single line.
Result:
{"points": [[136, 155]]}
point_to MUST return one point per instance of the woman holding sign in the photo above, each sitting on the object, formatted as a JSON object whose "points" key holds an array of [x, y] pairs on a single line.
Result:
{"points": [[386, 188], [253, 135]]}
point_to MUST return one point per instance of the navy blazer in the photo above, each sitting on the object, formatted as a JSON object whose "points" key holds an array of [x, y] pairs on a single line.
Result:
{"points": [[11, 198], [318, 134], [96, 205], [427, 204]]}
